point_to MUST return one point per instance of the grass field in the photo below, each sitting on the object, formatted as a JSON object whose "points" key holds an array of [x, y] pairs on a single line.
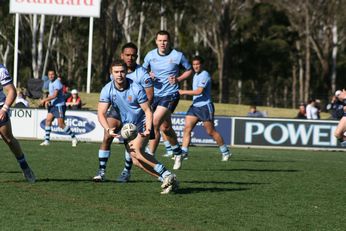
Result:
{"points": [[257, 189]]}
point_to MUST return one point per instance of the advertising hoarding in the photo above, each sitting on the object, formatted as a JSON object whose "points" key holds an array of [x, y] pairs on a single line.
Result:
{"points": [[79, 8], [285, 133]]}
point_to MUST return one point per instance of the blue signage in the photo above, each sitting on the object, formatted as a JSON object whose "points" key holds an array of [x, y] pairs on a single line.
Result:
{"points": [[198, 135], [79, 125]]}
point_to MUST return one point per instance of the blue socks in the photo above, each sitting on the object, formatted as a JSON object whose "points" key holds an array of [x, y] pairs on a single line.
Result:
{"points": [[22, 162], [161, 170], [103, 158], [224, 150], [128, 162]]}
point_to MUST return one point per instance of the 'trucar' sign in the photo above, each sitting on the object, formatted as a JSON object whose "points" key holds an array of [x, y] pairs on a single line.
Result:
{"points": [[80, 8]]}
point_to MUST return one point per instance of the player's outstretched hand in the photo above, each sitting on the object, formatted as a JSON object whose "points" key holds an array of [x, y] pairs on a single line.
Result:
{"points": [[145, 133], [111, 132]]}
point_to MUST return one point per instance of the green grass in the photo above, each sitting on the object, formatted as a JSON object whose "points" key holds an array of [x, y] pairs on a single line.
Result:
{"points": [[258, 189]]}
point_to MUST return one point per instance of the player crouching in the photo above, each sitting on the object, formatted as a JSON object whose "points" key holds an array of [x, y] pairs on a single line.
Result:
{"points": [[133, 106]]}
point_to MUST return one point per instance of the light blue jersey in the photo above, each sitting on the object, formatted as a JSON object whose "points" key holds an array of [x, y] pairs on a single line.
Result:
{"points": [[5, 79], [128, 101], [60, 99], [164, 66], [140, 76], [202, 80]]}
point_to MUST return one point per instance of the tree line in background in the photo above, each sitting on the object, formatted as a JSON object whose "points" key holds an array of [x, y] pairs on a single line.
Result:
{"points": [[275, 53]]}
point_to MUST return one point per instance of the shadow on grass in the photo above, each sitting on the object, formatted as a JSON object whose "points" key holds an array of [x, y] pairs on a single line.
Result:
{"points": [[10, 172], [265, 161], [259, 170], [107, 181], [221, 182], [187, 190], [63, 180], [245, 170]]}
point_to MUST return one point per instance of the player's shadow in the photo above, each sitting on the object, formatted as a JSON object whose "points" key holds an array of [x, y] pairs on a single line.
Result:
{"points": [[221, 182], [247, 170], [62, 180], [265, 161], [90, 180], [190, 190], [10, 172], [258, 170]]}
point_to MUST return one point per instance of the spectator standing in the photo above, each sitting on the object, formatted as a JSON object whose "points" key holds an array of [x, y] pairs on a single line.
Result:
{"points": [[333, 108], [312, 112]]}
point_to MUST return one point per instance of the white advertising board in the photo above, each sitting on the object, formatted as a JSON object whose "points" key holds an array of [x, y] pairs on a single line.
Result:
{"points": [[24, 122], [79, 8], [83, 123], [30, 123]]}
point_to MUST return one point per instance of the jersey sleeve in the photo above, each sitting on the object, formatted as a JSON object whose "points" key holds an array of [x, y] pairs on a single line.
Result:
{"points": [[57, 85], [141, 95], [105, 95], [203, 80], [5, 77], [185, 62], [146, 80], [146, 63]]}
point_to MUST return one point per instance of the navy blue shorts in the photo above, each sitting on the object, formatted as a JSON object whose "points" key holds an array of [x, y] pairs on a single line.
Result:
{"points": [[57, 111], [113, 113], [170, 101], [141, 128], [204, 113]]}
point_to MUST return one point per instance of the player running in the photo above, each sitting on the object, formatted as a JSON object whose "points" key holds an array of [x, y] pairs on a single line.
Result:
{"points": [[5, 122], [202, 109], [56, 106], [164, 64]]}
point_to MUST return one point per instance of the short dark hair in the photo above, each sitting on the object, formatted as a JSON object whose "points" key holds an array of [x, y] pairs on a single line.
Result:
{"points": [[116, 63], [198, 58], [129, 45], [163, 32]]}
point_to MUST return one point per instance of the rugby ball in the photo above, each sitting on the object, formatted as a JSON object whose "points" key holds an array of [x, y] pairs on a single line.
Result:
{"points": [[129, 131]]}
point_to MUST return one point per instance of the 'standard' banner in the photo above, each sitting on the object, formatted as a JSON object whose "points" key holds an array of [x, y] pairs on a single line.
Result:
{"points": [[79, 8], [285, 133]]}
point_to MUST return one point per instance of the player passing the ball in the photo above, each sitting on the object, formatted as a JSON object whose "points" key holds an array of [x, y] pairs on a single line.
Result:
{"points": [[5, 122], [140, 76], [132, 102]]}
